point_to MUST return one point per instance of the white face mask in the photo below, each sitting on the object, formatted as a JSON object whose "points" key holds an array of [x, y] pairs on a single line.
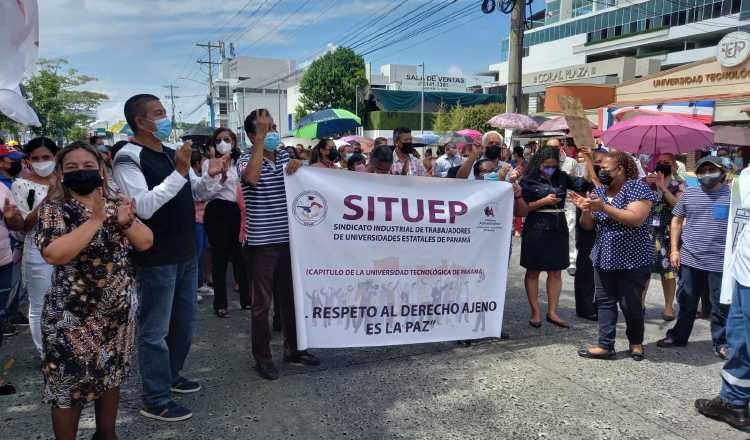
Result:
{"points": [[44, 169], [224, 147]]}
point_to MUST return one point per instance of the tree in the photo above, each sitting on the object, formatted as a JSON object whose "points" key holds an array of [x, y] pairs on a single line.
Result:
{"points": [[59, 101], [476, 117], [456, 117], [332, 81], [442, 120]]}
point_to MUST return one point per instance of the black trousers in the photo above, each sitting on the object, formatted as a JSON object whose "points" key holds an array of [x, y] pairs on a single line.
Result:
{"points": [[584, 279], [222, 224], [621, 287]]}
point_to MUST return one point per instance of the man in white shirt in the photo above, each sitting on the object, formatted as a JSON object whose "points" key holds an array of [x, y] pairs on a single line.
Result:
{"points": [[447, 161], [731, 406]]}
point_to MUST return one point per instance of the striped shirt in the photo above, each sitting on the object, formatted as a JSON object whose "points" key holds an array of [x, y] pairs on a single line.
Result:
{"points": [[704, 232], [266, 217]]}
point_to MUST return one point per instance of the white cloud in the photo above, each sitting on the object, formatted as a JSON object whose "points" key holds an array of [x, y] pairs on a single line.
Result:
{"points": [[455, 71]]}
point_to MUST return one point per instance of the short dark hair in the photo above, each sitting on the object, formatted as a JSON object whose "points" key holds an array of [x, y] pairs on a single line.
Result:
{"points": [[478, 165], [518, 150], [380, 141], [398, 131], [136, 106], [39, 142], [381, 153], [356, 157], [250, 121], [93, 139]]}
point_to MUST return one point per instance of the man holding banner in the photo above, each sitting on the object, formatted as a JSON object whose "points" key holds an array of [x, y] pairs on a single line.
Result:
{"points": [[266, 246]]}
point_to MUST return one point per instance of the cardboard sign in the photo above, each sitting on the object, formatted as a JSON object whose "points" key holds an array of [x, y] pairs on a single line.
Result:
{"points": [[578, 125]]}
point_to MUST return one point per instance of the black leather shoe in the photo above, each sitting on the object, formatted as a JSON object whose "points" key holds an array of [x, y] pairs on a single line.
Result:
{"points": [[302, 358], [585, 353], [267, 370], [718, 409]]}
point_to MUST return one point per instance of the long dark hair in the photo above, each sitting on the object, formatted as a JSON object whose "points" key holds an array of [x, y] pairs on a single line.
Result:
{"points": [[315, 155], [60, 191], [533, 170]]}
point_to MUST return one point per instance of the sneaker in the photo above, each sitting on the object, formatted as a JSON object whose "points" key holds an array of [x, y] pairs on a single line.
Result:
{"points": [[8, 329], [200, 299], [267, 370], [171, 412], [184, 386], [204, 288], [302, 358], [20, 320], [572, 271], [718, 409]]}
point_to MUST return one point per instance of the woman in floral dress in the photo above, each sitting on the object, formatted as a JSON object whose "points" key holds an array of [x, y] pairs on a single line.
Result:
{"points": [[88, 319]]}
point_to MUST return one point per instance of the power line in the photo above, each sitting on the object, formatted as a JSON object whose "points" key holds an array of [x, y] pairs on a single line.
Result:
{"points": [[357, 29], [253, 16], [275, 28], [397, 23], [261, 17]]}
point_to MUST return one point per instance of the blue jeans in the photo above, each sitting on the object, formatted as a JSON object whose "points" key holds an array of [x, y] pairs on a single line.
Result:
{"points": [[6, 283], [692, 283], [735, 386], [166, 322], [201, 242]]}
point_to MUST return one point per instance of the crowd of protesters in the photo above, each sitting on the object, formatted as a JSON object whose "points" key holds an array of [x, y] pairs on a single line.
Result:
{"points": [[108, 245]]}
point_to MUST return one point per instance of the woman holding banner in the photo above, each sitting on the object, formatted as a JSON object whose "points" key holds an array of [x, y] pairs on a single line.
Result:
{"points": [[544, 245], [623, 251]]}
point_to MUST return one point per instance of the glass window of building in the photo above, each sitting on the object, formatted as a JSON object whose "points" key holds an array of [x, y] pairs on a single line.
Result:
{"points": [[582, 7], [552, 12]]}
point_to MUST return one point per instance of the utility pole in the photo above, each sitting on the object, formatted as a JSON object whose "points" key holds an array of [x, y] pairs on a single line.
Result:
{"points": [[172, 97], [421, 108], [210, 47], [514, 94]]}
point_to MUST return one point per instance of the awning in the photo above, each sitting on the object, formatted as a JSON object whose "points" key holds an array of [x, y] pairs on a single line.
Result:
{"points": [[410, 101]]}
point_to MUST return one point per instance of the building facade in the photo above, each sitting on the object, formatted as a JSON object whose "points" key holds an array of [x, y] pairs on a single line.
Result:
{"points": [[610, 42]]}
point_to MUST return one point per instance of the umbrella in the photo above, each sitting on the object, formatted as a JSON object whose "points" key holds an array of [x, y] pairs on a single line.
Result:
{"points": [[473, 134], [291, 140], [427, 138], [729, 135], [558, 124], [340, 143], [325, 123], [364, 142], [656, 134], [514, 121]]}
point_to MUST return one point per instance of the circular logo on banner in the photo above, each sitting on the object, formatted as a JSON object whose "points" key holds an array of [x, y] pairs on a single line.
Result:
{"points": [[733, 49], [310, 208]]}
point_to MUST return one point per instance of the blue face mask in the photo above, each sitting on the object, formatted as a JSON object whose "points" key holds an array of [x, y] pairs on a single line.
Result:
{"points": [[548, 171], [272, 141], [163, 129], [493, 176]]}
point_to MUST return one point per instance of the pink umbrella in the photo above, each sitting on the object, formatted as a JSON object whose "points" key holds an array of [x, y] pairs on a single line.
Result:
{"points": [[514, 121], [470, 133], [365, 143], [558, 124], [653, 134]]}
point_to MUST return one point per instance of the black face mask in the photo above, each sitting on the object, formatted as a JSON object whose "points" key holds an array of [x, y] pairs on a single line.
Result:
{"points": [[407, 148], [333, 155], [664, 168], [492, 152], [597, 168], [605, 177], [15, 168], [82, 182]]}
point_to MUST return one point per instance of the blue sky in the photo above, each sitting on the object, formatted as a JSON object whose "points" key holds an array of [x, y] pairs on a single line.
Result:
{"points": [[138, 46]]}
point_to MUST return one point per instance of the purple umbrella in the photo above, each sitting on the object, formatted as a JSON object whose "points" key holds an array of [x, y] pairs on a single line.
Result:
{"points": [[514, 121], [557, 124], [656, 134]]}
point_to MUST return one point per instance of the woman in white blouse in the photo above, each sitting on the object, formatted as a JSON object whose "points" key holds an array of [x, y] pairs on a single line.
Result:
{"points": [[222, 223], [29, 192]]}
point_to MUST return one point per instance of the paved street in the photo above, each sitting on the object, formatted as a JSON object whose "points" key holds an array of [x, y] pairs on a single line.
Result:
{"points": [[532, 386]]}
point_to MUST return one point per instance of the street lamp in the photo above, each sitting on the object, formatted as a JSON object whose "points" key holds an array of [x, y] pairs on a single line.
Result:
{"points": [[421, 110]]}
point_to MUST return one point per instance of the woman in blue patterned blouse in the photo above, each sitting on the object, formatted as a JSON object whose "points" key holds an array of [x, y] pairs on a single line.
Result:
{"points": [[623, 251]]}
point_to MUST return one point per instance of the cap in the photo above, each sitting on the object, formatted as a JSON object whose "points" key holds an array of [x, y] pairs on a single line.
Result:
{"points": [[10, 152], [713, 160]]}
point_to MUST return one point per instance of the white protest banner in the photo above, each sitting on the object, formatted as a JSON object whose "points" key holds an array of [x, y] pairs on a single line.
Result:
{"points": [[388, 260]]}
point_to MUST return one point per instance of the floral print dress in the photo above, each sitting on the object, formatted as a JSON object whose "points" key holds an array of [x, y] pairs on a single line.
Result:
{"points": [[88, 319]]}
